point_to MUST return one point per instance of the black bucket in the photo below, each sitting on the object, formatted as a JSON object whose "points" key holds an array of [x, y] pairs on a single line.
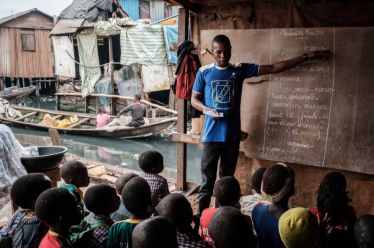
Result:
{"points": [[49, 158]]}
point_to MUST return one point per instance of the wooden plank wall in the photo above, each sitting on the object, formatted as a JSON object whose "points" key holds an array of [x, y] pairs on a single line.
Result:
{"points": [[15, 63], [281, 14]]}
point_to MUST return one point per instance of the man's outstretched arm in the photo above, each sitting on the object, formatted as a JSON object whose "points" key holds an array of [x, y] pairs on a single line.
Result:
{"points": [[287, 64]]}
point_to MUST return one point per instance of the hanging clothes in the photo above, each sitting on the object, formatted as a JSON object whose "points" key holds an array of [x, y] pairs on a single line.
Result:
{"points": [[187, 67], [144, 45], [89, 59], [64, 52], [10, 162], [103, 86], [155, 77], [171, 43]]}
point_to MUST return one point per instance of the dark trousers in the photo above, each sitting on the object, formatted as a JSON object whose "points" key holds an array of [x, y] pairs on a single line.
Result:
{"points": [[228, 153]]}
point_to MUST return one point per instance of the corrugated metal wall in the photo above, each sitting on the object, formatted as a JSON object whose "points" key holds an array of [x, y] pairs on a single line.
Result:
{"points": [[131, 7], [16, 63], [157, 10]]}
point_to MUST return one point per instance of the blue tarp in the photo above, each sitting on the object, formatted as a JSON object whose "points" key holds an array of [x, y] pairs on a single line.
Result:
{"points": [[171, 43]]}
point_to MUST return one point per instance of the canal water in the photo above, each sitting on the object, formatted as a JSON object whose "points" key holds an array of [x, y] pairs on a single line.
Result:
{"points": [[123, 152]]}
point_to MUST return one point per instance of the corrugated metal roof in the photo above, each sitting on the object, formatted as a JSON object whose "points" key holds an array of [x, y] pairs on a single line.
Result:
{"points": [[12, 17], [131, 7], [66, 26]]}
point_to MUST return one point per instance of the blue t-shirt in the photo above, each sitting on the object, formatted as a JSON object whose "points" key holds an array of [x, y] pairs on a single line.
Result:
{"points": [[266, 227], [222, 90]]}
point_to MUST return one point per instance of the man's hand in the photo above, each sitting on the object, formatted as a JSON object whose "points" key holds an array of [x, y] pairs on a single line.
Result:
{"points": [[319, 55], [212, 112]]}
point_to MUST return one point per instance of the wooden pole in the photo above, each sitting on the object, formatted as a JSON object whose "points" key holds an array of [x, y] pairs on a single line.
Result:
{"points": [[182, 128], [2, 84], [86, 102]]}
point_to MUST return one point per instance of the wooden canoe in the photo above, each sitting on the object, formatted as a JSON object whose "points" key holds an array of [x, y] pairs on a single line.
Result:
{"points": [[86, 124], [19, 93]]}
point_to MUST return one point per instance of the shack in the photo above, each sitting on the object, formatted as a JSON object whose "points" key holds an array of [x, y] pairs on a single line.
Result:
{"points": [[26, 50], [318, 118], [99, 49]]}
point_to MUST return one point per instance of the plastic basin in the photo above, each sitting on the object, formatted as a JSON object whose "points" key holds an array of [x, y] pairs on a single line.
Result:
{"points": [[49, 158]]}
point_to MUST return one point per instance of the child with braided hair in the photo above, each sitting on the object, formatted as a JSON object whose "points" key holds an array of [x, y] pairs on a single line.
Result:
{"points": [[278, 185]]}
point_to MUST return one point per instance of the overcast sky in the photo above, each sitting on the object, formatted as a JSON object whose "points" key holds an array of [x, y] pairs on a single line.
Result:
{"points": [[50, 7]]}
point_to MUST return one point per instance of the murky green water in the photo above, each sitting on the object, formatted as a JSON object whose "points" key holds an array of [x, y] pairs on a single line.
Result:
{"points": [[124, 152]]}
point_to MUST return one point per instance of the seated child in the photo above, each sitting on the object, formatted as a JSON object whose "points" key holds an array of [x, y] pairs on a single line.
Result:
{"points": [[299, 228], [230, 228], [278, 185], [152, 163], [334, 212], [157, 232], [122, 213], [102, 119], [75, 175], [248, 202], [136, 196], [178, 210], [227, 193], [335, 182], [101, 200], [24, 228], [364, 231], [58, 209]]}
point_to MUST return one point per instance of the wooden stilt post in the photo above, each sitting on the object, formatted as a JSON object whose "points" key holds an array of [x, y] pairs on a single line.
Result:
{"points": [[18, 83], [37, 83], [57, 102], [86, 102], [182, 128], [2, 84], [111, 70], [23, 82]]}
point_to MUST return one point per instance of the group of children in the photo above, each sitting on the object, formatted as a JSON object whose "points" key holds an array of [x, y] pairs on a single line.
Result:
{"points": [[140, 212]]}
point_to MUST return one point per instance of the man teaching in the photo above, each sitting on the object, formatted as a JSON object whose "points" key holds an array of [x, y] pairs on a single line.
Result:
{"points": [[217, 92]]}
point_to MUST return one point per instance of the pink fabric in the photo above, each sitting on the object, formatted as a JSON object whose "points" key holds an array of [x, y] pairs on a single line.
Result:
{"points": [[102, 120]]}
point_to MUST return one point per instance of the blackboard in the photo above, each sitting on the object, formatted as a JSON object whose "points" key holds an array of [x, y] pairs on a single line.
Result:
{"points": [[318, 113]]}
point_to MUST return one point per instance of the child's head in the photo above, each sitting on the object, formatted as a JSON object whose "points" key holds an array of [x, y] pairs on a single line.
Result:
{"points": [[121, 181], [136, 196], [26, 189], [227, 191], [157, 232], [364, 231], [101, 199], [278, 183], [177, 209], [335, 179], [230, 228], [75, 172], [57, 207], [256, 180], [151, 162], [299, 228], [332, 200]]}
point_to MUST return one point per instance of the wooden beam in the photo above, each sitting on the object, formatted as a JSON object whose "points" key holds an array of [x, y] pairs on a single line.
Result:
{"points": [[25, 116], [186, 138], [186, 4], [79, 122], [55, 137], [122, 97]]}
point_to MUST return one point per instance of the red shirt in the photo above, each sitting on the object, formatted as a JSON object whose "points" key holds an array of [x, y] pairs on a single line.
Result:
{"points": [[349, 218], [54, 240], [205, 219]]}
